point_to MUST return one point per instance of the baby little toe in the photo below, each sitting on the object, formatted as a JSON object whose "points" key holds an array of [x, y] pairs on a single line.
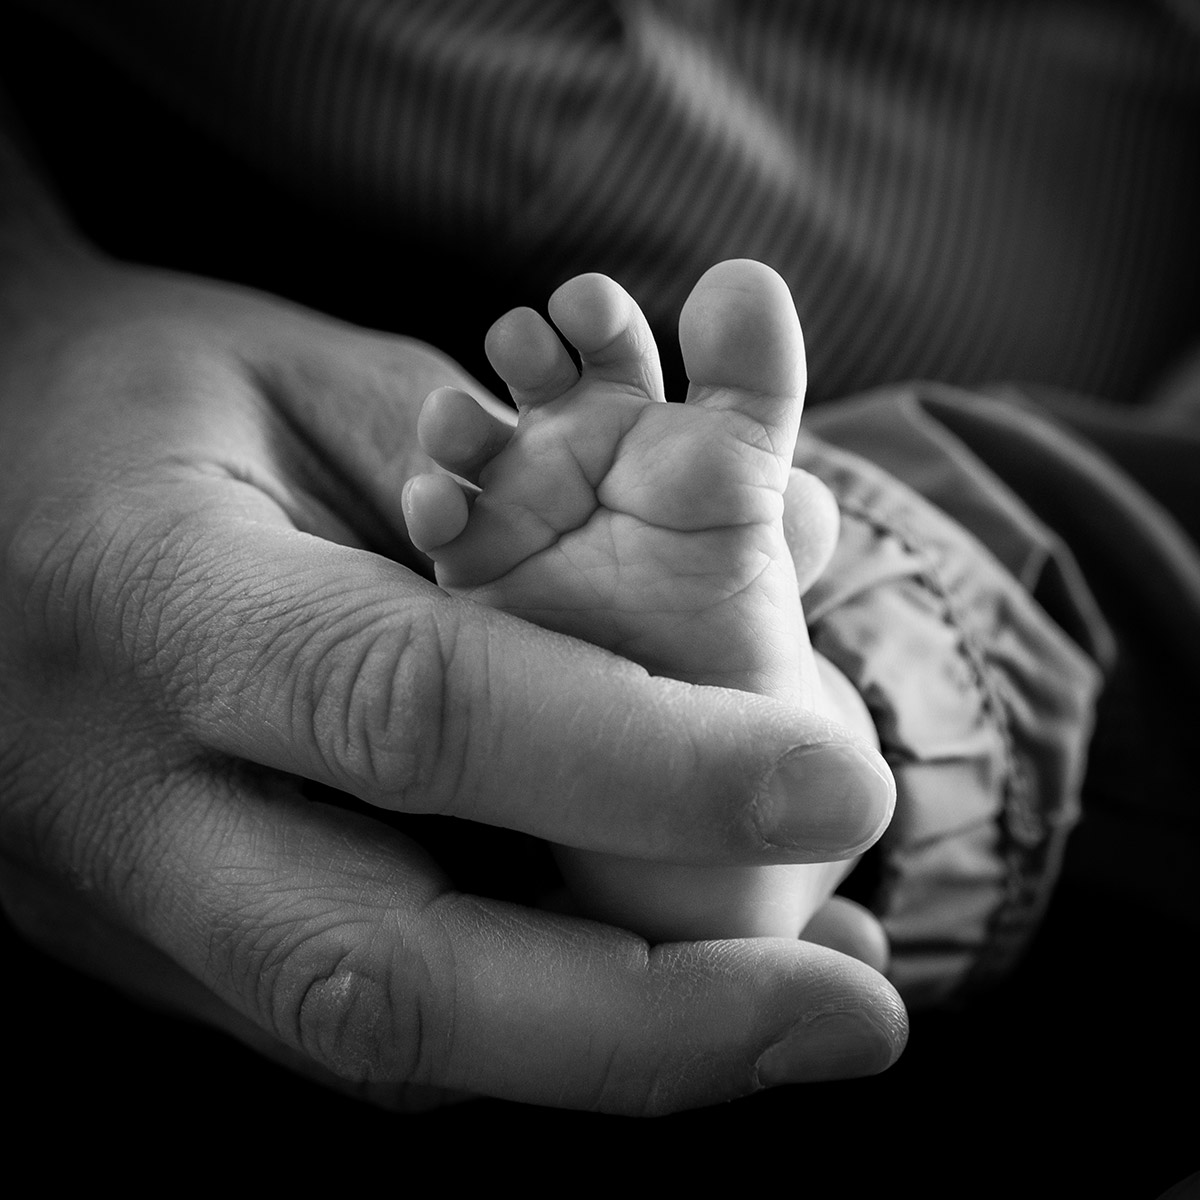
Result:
{"points": [[435, 510]]}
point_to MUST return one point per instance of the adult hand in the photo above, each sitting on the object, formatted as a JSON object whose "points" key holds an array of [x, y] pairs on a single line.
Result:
{"points": [[202, 608]]}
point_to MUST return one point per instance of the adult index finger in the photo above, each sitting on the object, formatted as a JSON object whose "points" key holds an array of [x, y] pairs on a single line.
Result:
{"points": [[341, 666]]}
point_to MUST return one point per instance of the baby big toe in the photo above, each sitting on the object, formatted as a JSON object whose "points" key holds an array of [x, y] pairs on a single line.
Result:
{"points": [[742, 344]]}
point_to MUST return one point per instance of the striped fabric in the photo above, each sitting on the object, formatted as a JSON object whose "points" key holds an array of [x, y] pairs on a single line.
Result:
{"points": [[962, 190]]}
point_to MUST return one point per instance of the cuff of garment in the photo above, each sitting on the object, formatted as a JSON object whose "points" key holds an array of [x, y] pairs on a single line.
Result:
{"points": [[982, 695]]}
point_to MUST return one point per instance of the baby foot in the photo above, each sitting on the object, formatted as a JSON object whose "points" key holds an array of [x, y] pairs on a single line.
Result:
{"points": [[653, 529]]}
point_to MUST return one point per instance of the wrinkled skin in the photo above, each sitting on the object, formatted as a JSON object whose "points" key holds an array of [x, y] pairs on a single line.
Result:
{"points": [[203, 607]]}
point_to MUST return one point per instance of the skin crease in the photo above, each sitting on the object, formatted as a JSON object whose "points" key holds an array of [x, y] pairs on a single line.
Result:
{"points": [[202, 614]]}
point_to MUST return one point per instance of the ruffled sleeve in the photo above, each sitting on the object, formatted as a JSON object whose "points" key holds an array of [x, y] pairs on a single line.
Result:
{"points": [[980, 652]]}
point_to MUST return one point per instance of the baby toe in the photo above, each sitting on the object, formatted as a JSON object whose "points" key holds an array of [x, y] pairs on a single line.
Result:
{"points": [[435, 510], [459, 434], [742, 344], [604, 323], [529, 356]]}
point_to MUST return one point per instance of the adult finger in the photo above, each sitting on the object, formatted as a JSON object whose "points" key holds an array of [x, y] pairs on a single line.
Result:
{"points": [[339, 665], [343, 943]]}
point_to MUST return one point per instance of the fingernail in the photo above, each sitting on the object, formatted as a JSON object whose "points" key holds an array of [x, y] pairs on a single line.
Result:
{"points": [[826, 798], [841, 1045]]}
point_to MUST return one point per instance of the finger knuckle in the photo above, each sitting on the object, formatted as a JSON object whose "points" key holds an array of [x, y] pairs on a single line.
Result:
{"points": [[352, 999], [400, 703], [379, 707]]}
